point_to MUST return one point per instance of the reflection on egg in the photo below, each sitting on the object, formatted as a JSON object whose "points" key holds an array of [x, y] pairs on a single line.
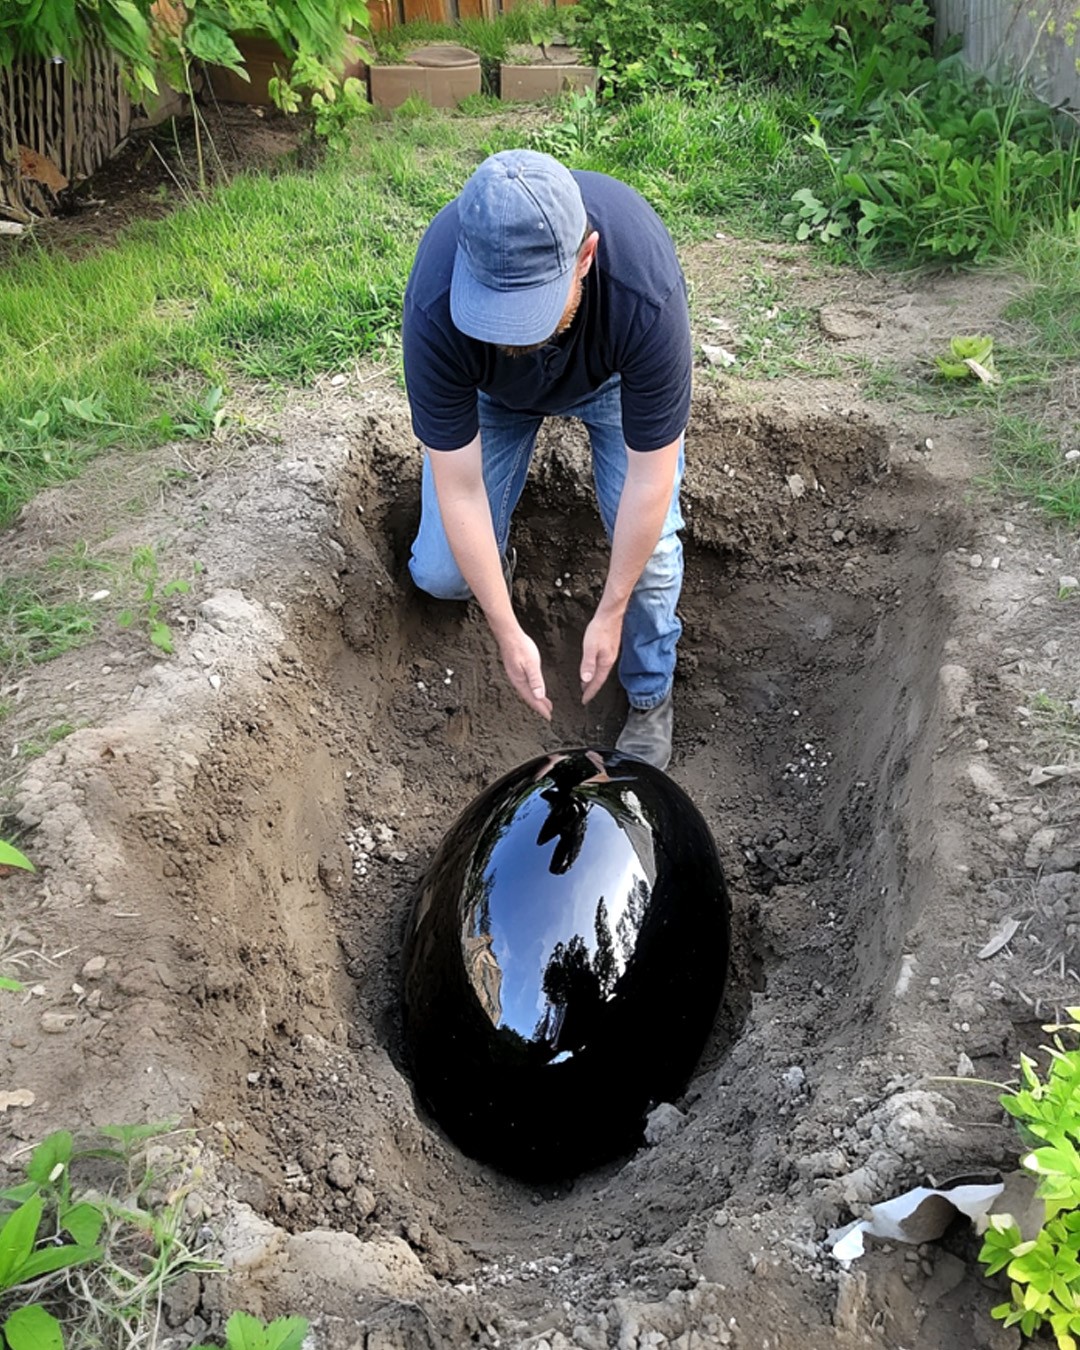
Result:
{"points": [[564, 962]]}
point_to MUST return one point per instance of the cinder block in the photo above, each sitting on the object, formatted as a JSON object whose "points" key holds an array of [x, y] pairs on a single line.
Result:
{"points": [[530, 84], [441, 75]]}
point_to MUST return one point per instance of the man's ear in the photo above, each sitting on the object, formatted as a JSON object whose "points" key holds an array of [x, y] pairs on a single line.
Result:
{"points": [[587, 254]]}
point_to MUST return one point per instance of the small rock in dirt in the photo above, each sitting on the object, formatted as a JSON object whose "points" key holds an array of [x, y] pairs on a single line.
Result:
{"points": [[387, 1267], [838, 536], [964, 1067], [363, 1202], [976, 560], [662, 1123], [794, 1080], [180, 1298], [850, 1300], [982, 744], [1040, 846], [56, 1022], [94, 968], [844, 322], [248, 1240], [718, 356], [1058, 892], [341, 1171]]}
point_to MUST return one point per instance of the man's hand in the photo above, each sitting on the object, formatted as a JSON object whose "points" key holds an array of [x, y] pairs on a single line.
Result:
{"points": [[466, 517], [599, 650], [521, 659], [646, 497]]}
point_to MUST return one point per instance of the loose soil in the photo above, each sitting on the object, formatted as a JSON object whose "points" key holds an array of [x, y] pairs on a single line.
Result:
{"points": [[231, 838]]}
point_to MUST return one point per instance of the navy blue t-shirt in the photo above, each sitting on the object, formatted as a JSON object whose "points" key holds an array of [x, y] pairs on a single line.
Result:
{"points": [[633, 321]]}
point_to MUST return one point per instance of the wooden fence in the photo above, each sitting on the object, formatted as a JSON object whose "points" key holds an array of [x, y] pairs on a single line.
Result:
{"points": [[55, 125], [388, 13], [52, 123]]}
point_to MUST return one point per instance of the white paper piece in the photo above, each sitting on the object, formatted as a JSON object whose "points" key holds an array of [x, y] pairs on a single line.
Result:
{"points": [[919, 1215], [1004, 935]]}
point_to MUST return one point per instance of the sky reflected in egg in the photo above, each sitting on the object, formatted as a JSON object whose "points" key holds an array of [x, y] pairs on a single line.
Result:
{"points": [[564, 961]]}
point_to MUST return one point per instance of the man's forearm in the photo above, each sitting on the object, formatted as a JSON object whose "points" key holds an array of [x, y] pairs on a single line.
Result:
{"points": [[466, 517]]}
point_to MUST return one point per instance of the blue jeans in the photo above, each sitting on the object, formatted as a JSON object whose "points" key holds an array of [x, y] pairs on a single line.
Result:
{"points": [[651, 627]]}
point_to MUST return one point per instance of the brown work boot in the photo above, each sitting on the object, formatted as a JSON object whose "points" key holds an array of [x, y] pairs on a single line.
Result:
{"points": [[647, 733]]}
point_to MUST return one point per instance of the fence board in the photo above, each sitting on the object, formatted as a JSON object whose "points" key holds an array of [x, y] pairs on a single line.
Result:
{"points": [[1005, 38], [76, 119]]}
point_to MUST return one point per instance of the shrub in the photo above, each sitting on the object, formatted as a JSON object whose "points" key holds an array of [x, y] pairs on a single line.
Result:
{"points": [[954, 171]]}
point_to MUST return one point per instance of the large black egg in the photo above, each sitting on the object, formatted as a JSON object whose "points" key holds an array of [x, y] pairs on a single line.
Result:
{"points": [[564, 962]]}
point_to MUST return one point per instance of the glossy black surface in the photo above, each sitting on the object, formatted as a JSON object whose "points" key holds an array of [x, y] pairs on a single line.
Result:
{"points": [[564, 962]]}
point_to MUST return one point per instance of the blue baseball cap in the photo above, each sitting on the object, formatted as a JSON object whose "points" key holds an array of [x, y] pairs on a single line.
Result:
{"points": [[521, 221]]}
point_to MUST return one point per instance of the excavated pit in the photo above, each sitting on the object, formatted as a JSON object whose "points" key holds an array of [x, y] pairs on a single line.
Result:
{"points": [[806, 730]]}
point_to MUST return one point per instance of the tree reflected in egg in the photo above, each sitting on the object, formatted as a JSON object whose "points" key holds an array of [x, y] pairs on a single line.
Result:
{"points": [[564, 962]]}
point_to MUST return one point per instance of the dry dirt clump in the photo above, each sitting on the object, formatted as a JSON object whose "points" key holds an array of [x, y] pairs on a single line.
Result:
{"points": [[229, 840]]}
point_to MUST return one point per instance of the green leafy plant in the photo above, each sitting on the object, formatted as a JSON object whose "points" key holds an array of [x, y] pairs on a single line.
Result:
{"points": [[585, 128], [956, 170], [1044, 1271], [969, 357], [152, 591], [11, 857], [206, 417], [103, 1254], [168, 37], [638, 46], [338, 113], [244, 1332], [29, 1238]]}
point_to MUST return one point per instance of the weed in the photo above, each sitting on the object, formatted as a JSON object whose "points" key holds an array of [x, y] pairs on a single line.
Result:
{"points": [[54, 735], [1028, 460], [1044, 1271], [244, 1332], [959, 169], [969, 357], [146, 574], [112, 1247]]}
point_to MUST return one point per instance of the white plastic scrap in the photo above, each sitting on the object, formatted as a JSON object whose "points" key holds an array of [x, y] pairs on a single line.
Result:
{"points": [[919, 1215]]}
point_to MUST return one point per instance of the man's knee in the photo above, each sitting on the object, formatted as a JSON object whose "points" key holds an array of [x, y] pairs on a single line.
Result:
{"points": [[665, 567], [445, 583]]}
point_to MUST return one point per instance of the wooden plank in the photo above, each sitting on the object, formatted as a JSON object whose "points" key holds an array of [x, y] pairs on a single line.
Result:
{"points": [[383, 13], [476, 9], [435, 11]]}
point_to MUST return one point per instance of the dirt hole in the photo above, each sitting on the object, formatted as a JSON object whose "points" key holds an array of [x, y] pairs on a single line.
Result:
{"points": [[806, 717]]}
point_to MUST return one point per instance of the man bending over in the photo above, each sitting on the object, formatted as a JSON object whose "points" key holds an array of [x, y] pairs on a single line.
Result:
{"points": [[542, 292]]}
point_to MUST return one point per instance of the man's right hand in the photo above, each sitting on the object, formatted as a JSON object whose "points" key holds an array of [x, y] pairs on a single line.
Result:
{"points": [[521, 660], [466, 518]]}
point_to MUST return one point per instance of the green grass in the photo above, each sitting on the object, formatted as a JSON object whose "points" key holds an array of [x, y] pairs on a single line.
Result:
{"points": [[275, 277], [1051, 307], [1029, 460], [36, 627], [491, 39], [281, 277], [33, 749], [729, 158]]}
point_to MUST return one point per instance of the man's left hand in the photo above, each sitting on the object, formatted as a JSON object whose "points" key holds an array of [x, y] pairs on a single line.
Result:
{"points": [[599, 650]]}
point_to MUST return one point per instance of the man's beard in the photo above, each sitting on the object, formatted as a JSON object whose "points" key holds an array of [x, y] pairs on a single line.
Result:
{"points": [[568, 316]]}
